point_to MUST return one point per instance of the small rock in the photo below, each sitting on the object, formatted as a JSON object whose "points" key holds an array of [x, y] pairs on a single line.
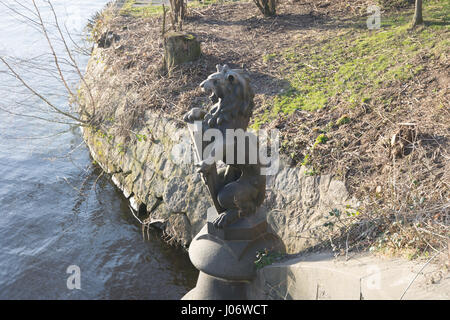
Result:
{"points": [[107, 38]]}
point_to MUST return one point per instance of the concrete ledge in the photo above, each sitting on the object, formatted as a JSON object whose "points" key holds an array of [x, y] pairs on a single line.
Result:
{"points": [[321, 276]]}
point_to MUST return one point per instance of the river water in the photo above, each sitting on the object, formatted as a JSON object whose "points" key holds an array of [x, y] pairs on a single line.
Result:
{"points": [[56, 209]]}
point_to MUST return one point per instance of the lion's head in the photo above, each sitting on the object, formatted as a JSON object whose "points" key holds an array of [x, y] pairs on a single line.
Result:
{"points": [[230, 87]]}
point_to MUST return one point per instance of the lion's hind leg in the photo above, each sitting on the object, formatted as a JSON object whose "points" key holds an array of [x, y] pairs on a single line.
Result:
{"points": [[226, 218]]}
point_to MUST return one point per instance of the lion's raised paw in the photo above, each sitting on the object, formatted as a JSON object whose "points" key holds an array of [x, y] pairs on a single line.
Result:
{"points": [[195, 114]]}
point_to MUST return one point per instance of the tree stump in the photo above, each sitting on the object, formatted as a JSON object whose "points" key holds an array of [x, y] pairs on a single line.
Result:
{"points": [[180, 47]]}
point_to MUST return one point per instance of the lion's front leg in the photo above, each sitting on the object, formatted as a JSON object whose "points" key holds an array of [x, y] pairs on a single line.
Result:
{"points": [[195, 114]]}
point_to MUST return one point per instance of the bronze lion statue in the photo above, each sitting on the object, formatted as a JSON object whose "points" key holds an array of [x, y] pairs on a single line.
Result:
{"points": [[239, 188]]}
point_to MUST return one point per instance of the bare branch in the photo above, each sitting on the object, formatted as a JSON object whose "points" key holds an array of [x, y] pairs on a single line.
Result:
{"points": [[75, 65], [38, 94], [38, 118], [79, 48], [19, 13], [25, 7], [44, 30]]}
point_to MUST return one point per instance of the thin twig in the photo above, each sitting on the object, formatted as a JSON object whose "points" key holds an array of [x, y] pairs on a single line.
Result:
{"points": [[423, 267], [55, 57], [75, 65], [38, 94]]}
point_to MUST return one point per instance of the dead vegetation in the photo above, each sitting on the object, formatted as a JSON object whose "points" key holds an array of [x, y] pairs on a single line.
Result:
{"points": [[391, 150]]}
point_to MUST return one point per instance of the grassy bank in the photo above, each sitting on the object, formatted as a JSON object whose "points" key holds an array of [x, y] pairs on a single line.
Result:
{"points": [[352, 66], [140, 9]]}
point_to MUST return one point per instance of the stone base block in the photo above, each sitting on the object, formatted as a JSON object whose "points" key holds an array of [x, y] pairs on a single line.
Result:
{"points": [[211, 288]]}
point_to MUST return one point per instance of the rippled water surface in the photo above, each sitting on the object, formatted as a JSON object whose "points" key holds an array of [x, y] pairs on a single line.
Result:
{"points": [[56, 209]]}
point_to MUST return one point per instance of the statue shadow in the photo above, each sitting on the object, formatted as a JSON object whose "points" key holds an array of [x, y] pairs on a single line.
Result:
{"points": [[262, 83], [269, 85], [437, 23], [286, 21]]}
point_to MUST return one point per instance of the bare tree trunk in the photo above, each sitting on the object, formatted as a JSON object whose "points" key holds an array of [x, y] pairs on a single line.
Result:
{"points": [[418, 13], [177, 13], [267, 7]]}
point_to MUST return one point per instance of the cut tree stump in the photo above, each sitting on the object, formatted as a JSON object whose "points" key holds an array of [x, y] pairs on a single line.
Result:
{"points": [[406, 135], [180, 47]]}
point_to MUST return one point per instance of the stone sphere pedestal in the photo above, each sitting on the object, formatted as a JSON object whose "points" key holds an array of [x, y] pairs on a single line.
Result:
{"points": [[226, 257]]}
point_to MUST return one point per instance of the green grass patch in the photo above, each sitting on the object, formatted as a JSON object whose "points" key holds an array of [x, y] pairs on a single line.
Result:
{"points": [[269, 57], [343, 120], [266, 257], [321, 139], [130, 8], [354, 65]]}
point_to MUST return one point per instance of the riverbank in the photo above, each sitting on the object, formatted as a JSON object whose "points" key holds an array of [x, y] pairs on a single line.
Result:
{"points": [[58, 211], [362, 115]]}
